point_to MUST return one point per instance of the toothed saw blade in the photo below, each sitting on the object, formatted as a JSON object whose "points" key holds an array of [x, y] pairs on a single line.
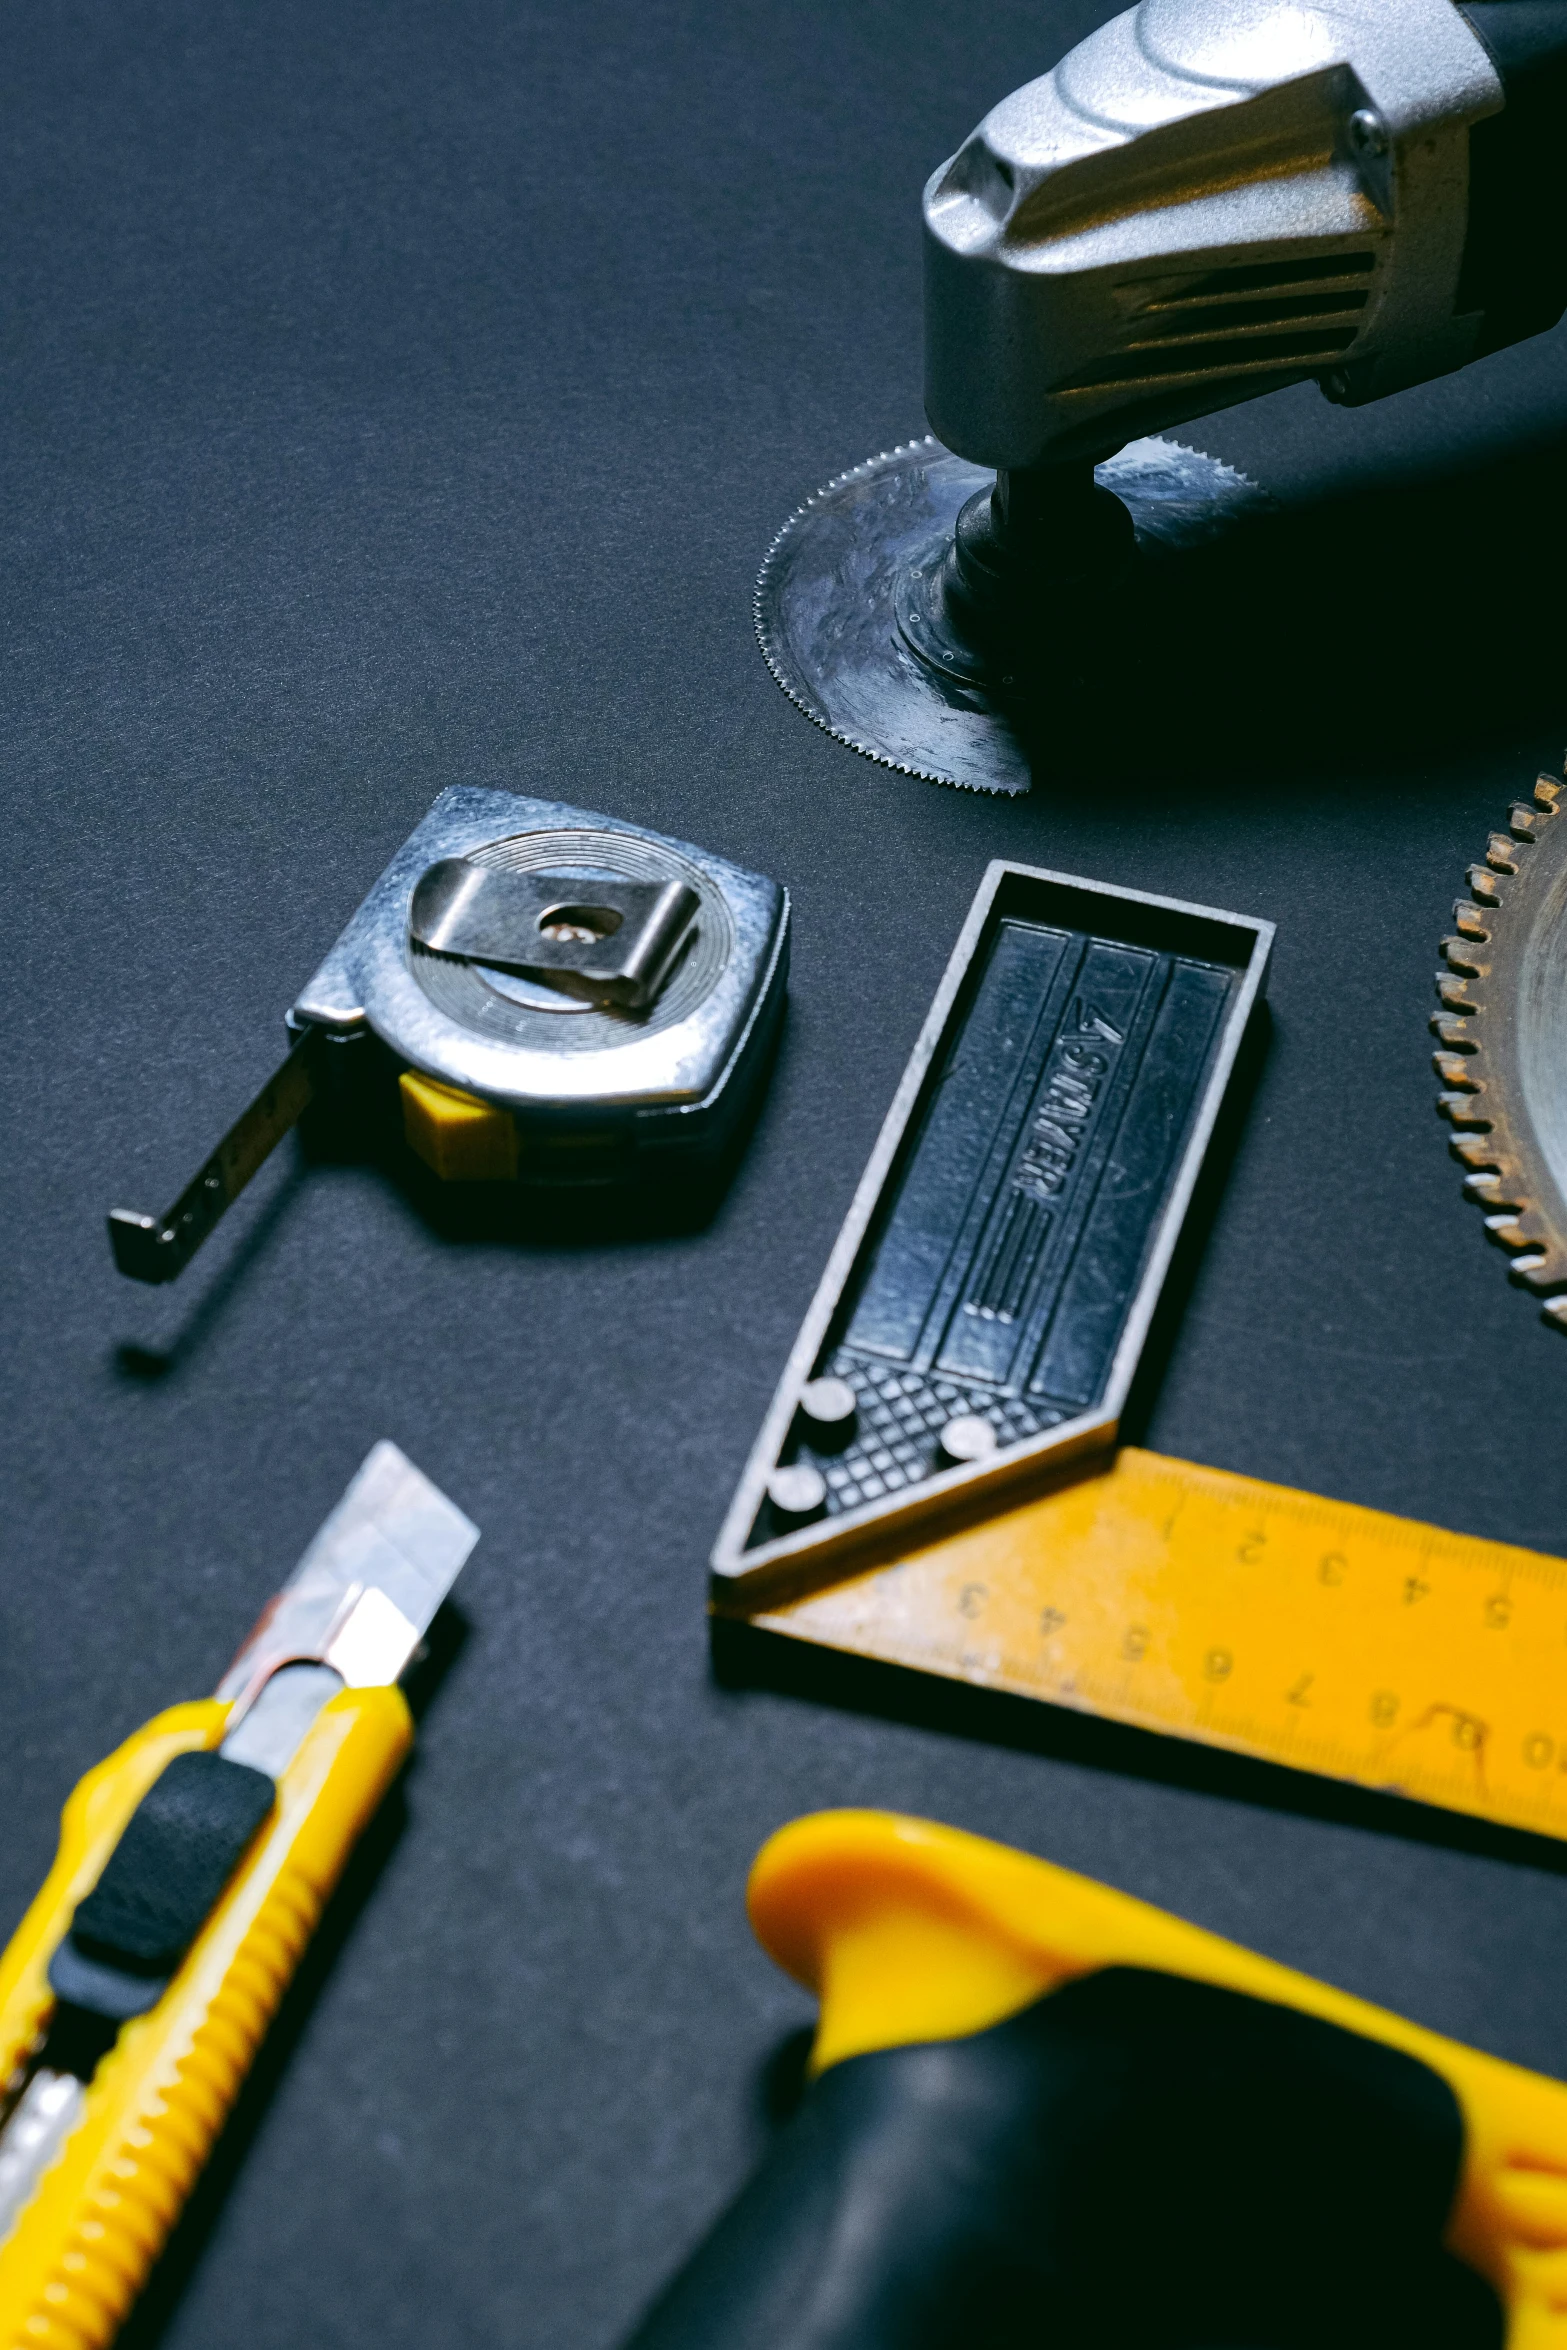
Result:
{"points": [[826, 600], [1500, 1042]]}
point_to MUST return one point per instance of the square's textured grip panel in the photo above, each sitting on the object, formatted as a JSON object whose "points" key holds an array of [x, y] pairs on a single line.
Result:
{"points": [[1013, 1240]]}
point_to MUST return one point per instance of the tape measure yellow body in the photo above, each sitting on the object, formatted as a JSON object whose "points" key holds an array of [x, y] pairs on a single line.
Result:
{"points": [[1306, 1632]]}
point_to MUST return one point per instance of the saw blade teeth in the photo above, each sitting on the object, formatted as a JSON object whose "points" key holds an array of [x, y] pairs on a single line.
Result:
{"points": [[1461, 1108], [774, 652], [1545, 1275], [1495, 1189], [1518, 1229], [1463, 957], [1524, 1207]]}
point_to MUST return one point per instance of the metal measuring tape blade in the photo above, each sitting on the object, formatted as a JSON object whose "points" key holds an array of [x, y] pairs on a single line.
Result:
{"points": [[560, 998]]}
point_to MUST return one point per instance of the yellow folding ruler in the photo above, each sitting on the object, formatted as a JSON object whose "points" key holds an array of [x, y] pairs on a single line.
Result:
{"points": [[1213, 1607]]}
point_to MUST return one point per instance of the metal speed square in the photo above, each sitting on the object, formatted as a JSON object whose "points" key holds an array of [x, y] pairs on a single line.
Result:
{"points": [[938, 1485], [988, 1297]]}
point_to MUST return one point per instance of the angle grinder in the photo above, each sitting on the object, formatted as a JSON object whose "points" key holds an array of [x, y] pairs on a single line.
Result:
{"points": [[1204, 201]]}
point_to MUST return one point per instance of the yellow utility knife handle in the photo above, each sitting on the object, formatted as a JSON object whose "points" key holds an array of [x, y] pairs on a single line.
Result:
{"points": [[81, 2250]]}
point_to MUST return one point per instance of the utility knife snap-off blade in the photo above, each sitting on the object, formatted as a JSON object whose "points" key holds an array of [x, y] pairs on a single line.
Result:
{"points": [[193, 1866]]}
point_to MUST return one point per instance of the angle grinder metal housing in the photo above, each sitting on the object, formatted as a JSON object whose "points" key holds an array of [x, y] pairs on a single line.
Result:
{"points": [[505, 1072], [1205, 200]]}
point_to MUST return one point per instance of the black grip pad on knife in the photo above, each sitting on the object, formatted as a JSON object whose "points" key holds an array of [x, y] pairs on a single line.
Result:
{"points": [[176, 1853]]}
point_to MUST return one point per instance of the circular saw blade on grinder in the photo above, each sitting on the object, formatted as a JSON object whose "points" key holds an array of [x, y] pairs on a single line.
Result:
{"points": [[826, 600], [1499, 1053]]}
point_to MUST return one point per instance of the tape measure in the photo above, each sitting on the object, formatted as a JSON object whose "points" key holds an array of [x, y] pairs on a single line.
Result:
{"points": [[1212, 1607], [556, 999]]}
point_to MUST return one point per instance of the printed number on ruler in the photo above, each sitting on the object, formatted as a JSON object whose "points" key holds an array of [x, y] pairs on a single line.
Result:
{"points": [[1309, 1632]]}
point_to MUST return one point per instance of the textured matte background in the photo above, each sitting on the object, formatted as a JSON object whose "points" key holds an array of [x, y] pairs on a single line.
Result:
{"points": [[397, 396]]}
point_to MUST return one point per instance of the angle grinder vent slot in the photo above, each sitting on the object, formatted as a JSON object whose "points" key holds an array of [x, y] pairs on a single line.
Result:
{"points": [[1229, 320], [1255, 277], [1236, 317], [1220, 359]]}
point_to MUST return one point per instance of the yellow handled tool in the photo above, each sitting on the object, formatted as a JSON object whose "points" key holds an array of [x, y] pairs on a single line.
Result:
{"points": [[1041, 2111], [193, 1866], [1302, 1631]]}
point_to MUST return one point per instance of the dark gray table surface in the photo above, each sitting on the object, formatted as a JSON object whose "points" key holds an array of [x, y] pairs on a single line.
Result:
{"points": [[397, 396]]}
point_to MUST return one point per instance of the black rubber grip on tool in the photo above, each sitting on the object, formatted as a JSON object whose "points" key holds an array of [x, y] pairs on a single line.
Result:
{"points": [[1514, 265], [1136, 2162], [176, 1853]]}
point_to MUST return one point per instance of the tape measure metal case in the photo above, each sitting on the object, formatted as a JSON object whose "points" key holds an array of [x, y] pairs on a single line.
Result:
{"points": [[560, 998]]}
